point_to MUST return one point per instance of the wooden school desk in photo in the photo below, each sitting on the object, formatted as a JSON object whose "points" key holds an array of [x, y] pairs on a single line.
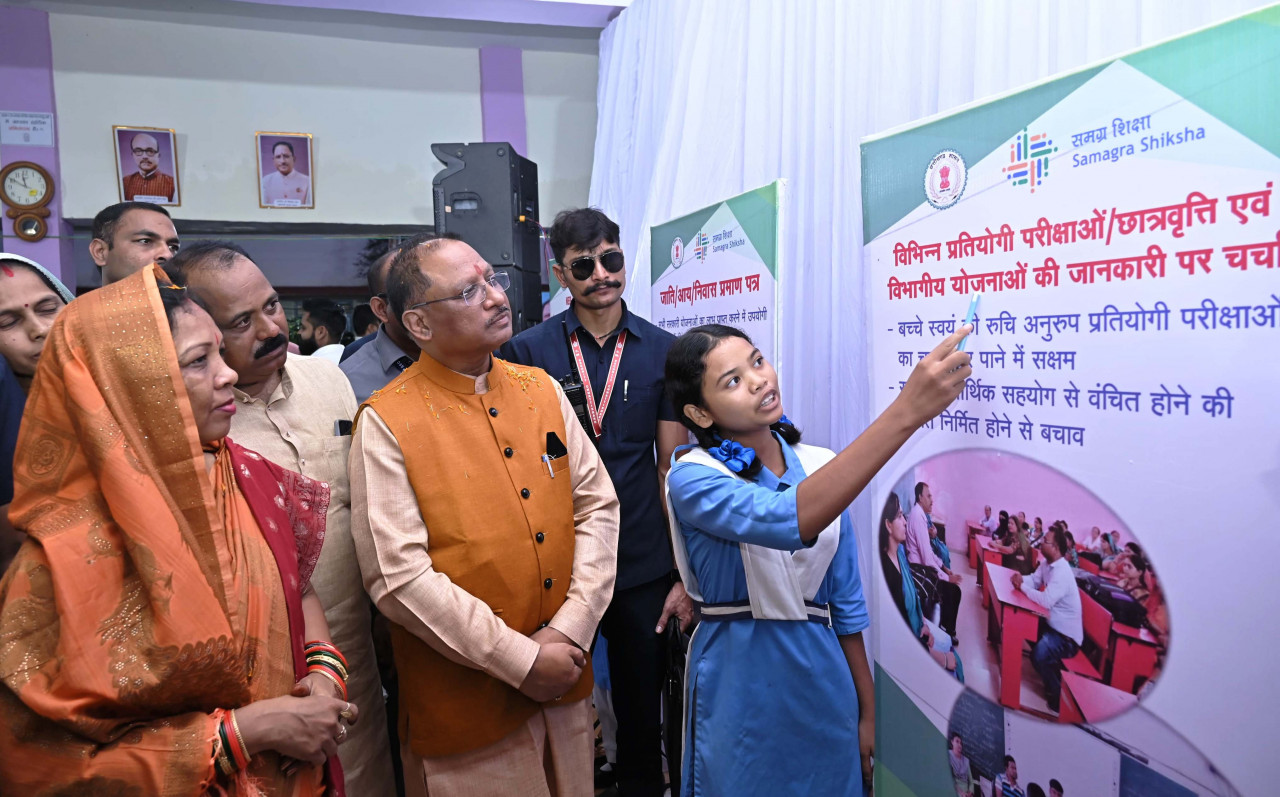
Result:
{"points": [[1013, 620], [1133, 655], [982, 551], [1086, 700]]}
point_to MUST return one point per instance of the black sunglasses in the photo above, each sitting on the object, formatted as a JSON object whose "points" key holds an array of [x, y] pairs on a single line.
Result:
{"points": [[583, 267]]}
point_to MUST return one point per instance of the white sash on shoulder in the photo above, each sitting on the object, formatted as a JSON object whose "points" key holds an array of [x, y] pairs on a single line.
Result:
{"points": [[778, 582]]}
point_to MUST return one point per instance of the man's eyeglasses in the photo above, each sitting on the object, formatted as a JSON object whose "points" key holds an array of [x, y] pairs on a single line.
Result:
{"points": [[583, 267], [474, 293], [151, 153]]}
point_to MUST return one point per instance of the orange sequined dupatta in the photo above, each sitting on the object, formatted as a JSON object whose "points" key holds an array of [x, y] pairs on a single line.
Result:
{"points": [[119, 617]]}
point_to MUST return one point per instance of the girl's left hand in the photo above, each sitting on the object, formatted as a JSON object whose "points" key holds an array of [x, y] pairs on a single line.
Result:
{"points": [[866, 745]]}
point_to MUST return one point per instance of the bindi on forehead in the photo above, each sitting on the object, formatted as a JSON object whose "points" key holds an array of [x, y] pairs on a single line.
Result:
{"points": [[8, 272]]}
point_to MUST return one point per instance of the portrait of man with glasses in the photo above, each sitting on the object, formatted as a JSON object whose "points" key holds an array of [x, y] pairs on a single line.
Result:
{"points": [[146, 163]]}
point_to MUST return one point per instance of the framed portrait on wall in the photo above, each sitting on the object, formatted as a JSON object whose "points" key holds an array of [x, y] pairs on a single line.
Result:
{"points": [[286, 169], [147, 164]]}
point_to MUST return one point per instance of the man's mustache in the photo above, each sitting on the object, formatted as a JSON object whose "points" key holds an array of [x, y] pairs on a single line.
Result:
{"points": [[270, 345], [599, 286]]}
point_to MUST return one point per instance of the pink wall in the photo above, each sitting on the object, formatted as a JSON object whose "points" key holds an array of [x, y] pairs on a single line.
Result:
{"points": [[963, 482]]}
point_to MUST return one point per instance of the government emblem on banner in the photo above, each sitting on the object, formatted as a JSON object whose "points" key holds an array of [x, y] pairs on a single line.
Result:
{"points": [[1029, 159], [945, 179], [677, 253]]}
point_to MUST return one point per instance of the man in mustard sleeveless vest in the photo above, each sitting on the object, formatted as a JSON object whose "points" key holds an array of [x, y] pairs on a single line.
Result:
{"points": [[486, 528]]}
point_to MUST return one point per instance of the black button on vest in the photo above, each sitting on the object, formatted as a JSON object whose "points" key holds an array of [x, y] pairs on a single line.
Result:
{"points": [[493, 411], [547, 583], [540, 536], [508, 452], [524, 493]]}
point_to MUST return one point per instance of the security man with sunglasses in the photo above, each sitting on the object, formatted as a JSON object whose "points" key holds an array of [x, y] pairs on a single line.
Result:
{"points": [[610, 363]]}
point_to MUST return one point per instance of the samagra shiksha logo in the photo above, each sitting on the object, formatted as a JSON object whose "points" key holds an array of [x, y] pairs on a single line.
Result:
{"points": [[1029, 159]]}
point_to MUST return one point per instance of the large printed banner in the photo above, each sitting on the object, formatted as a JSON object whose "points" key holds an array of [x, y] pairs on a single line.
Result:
{"points": [[1121, 225], [719, 265]]}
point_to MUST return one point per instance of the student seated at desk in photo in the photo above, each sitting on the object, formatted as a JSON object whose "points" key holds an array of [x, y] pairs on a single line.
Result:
{"points": [[989, 523], [1116, 565], [1109, 550], [1037, 533], [1016, 547], [1072, 555], [914, 588], [1094, 543], [1139, 580], [1053, 586]]}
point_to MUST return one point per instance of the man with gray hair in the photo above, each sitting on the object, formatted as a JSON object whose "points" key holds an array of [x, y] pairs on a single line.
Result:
{"points": [[487, 531]]}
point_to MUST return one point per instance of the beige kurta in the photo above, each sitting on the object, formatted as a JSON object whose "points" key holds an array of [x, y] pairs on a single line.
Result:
{"points": [[552, 753], [295, 429]]}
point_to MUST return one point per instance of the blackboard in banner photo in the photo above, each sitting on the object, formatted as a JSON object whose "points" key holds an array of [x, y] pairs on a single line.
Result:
{"points": [[980, 725]]}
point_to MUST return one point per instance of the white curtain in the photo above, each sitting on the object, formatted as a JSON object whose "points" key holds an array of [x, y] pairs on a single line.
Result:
{"points": [[703, 99]]}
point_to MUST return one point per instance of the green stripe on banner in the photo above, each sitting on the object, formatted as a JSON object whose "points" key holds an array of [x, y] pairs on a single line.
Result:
{"points": [[757, 212], [893, 167], [908, 744], [888, 784], [1230, 71], [684, 228]]}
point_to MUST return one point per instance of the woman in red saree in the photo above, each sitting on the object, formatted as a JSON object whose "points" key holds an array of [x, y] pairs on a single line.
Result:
{"points": [[165, 578]]}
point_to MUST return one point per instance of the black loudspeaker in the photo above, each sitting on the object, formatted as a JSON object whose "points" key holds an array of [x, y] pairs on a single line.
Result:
{"points": [[525, 295], [488, 195]]}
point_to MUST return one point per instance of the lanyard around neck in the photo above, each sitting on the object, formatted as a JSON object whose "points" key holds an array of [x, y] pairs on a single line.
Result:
{"points": [[596, 411]]}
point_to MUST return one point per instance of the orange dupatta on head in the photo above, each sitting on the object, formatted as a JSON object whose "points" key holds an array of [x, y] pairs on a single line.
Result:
{"points": [[116, 637]]}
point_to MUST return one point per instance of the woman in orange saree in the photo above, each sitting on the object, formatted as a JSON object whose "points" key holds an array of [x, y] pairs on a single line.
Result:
{"points": [[164, 581]]}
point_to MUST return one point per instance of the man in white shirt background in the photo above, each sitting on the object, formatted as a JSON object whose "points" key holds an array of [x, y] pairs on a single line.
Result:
{"points": [[1053, 586], [991, 524]]}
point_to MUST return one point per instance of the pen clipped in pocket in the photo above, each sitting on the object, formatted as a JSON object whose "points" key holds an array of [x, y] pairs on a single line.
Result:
{"points": [[557, 457]]}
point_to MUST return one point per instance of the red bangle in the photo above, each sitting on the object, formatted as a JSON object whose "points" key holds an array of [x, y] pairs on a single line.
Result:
{"points": [[329, 674], [329, 646], [238, 752]]}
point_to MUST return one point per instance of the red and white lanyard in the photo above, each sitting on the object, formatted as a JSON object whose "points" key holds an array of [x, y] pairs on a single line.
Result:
{"points": [[596, 412]]}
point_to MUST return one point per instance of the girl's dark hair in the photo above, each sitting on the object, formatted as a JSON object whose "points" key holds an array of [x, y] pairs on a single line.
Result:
{"points": [[892, 506], [173, 298], [687, 365], [1139, 563]]}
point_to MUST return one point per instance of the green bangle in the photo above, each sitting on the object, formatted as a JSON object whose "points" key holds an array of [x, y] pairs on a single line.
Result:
{"points": [[328, 661]]}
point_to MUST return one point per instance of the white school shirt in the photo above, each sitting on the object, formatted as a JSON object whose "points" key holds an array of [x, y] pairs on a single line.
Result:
{"points": [[1060, 596]]}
